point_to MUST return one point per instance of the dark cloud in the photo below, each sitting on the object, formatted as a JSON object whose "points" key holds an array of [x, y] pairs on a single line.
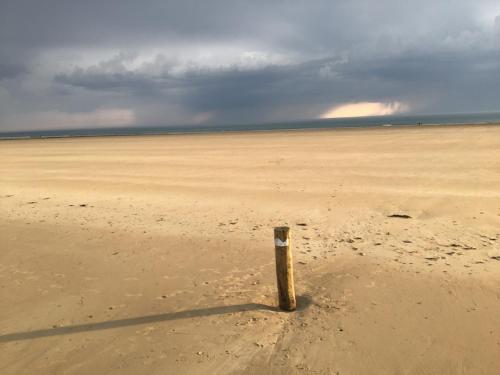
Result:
{"points": [[10, 71], [306, 84], [245, 61], [124, 81]]}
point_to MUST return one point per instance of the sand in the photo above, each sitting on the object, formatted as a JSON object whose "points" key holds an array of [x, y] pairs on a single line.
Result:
{"points": [[154, 254]]}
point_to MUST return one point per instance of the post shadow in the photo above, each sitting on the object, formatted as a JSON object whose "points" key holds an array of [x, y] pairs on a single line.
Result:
{"points": [[303, 303]]}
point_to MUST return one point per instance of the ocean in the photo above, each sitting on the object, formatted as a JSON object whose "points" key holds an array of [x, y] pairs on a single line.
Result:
{"points": [[354, 122]]}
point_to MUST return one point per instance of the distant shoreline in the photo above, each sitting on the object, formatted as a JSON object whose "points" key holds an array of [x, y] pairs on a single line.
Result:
{"points": [[236, 130]]}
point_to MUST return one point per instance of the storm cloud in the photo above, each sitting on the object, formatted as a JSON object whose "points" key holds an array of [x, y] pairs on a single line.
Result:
{"points": [[95, 63]]}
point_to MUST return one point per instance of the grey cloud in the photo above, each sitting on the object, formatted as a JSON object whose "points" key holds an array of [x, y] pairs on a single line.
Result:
{"points": [[10, 71], [299, 25], [305, 84], [439, 56], [96, 22], [128, 81]]}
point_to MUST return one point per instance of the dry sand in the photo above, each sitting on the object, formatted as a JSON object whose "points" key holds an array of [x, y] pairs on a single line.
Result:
{"points": [[154, 255]]}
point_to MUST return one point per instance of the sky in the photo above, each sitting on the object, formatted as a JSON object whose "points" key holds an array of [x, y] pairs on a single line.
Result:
{"points": [[106, 63]]}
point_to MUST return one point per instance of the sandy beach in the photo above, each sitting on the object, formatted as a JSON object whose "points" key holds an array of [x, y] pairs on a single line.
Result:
{"points": [[155, 255]]}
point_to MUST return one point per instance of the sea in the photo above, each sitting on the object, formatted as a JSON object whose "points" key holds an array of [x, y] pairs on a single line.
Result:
{"points": [[353, 122]]}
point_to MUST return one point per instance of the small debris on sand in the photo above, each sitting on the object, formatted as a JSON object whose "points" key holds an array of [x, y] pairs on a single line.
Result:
{"points": [[432, 257], [494, 254], [400, 216]]}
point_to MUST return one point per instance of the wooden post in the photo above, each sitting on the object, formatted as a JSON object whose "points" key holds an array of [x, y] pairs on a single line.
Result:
{"points": [[284, 269]]}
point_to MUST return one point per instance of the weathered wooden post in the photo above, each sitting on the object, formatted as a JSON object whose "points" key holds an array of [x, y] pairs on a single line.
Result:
{"points": [[284, 269]]}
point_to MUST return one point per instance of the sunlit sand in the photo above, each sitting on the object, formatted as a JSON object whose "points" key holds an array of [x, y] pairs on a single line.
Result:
{"points": [[155, 254]]}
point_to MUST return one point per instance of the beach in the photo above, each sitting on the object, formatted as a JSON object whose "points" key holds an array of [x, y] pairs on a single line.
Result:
{"points": [[155, 254]]}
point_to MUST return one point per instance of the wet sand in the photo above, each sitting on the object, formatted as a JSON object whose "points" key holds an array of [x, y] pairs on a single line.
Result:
{"points": [[154, 254]]}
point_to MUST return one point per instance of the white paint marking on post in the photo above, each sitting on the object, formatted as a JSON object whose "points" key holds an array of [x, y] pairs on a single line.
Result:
{"points": [[280, 243]]}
